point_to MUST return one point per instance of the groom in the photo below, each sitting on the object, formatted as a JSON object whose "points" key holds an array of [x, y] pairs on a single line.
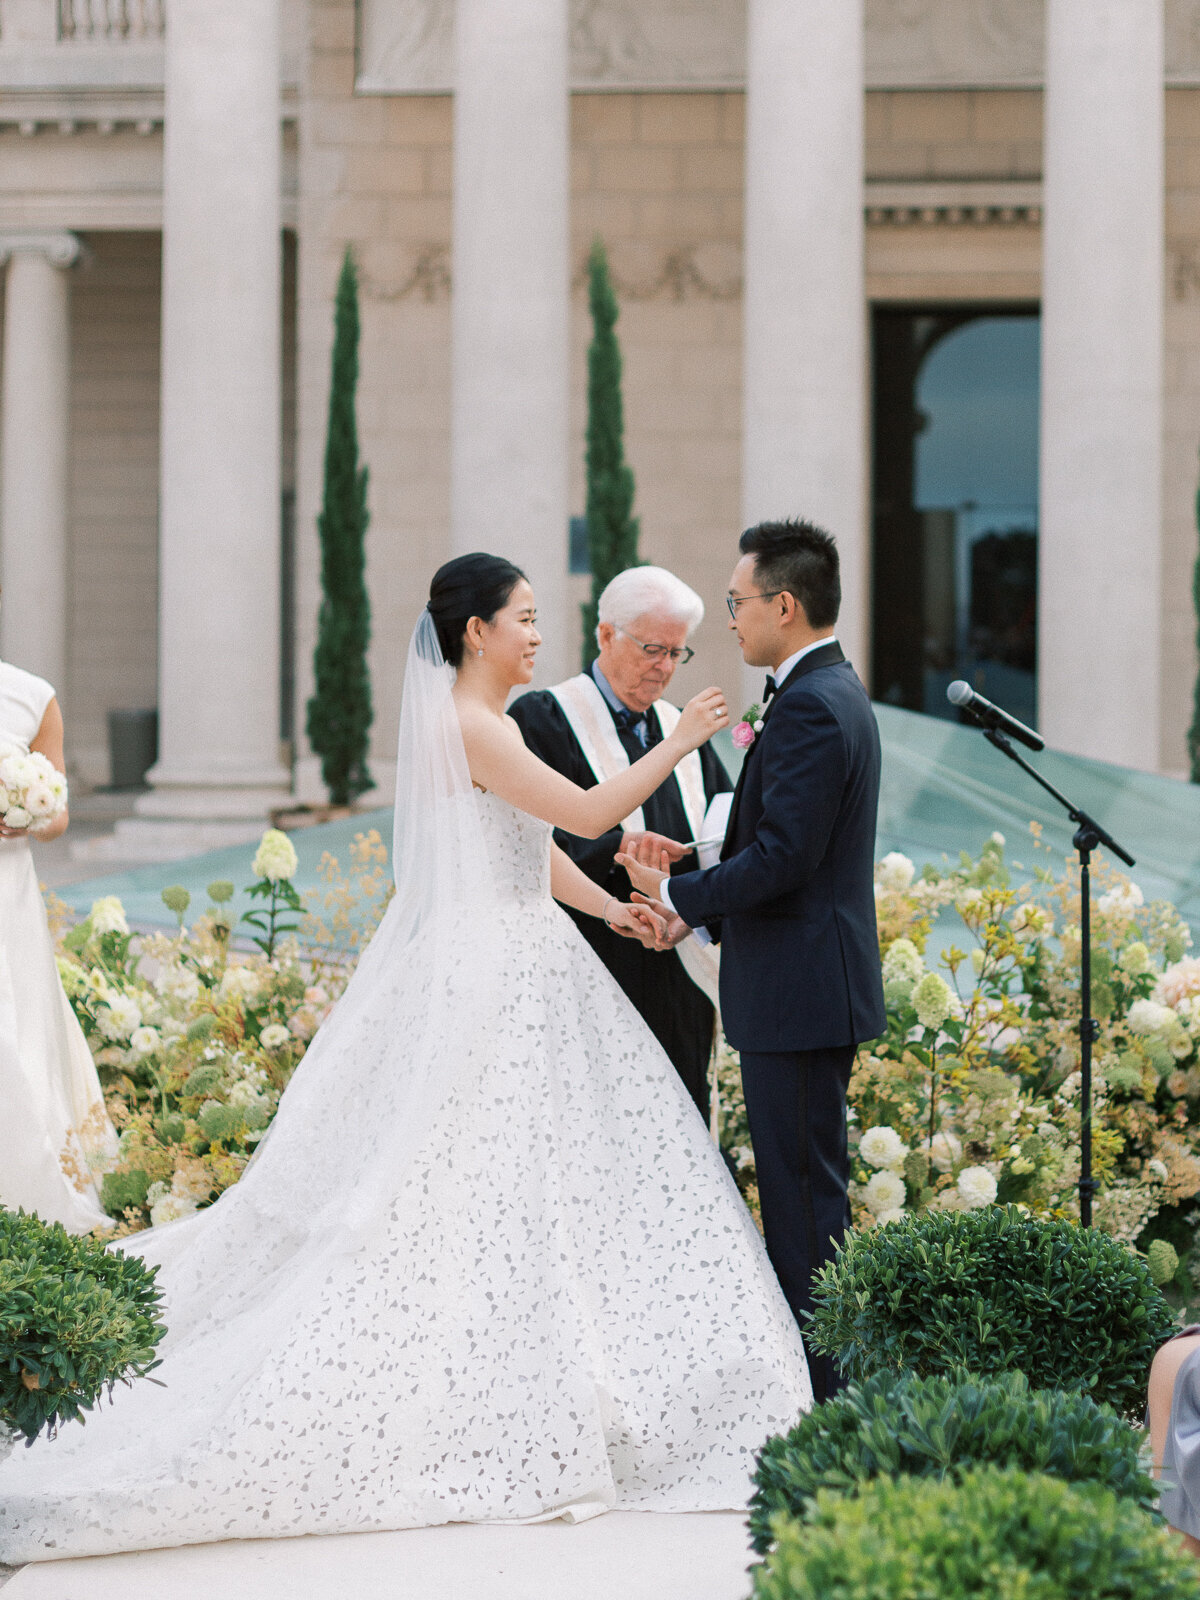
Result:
{"points": [[793, 901]]}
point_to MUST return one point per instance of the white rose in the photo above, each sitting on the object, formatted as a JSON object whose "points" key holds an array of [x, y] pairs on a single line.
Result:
{"points": [[276, 858], [945, 1151], [274, 1036], [145, 1041], [883, 1148], [17, 817], [895, 872], [977, 1187], [884, 1192], [118, 1016], [108, 915], [40, 801]]}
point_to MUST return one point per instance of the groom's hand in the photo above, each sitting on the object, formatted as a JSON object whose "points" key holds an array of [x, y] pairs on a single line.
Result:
{"points": [[677, 929], [649, 848], [646, 879]]}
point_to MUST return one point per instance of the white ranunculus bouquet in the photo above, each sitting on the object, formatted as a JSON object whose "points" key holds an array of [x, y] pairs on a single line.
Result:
{"points": [[32, 791]]}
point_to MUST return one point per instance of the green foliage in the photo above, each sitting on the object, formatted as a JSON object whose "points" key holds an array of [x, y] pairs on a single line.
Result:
{"points": [[124, 1191], [273, 923], [75, 1318], [999, 1532], [992, 1291], [612, 528], [899, 1425], [340, 712]]}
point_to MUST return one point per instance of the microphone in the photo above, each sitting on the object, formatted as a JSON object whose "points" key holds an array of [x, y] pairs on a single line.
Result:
{"points": [[987, 715]]}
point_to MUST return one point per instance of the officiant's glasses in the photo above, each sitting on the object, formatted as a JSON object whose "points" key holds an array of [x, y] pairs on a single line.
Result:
{"points": [[660, 652], [734, 601]]}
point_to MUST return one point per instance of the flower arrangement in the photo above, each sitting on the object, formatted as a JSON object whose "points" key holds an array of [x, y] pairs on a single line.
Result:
{"points": [[971, 1097], [32, 790], [194, 1041], [748, 729]]}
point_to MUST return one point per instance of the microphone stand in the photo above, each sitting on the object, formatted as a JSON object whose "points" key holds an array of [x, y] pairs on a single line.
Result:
{"points": [[1088, 836]]}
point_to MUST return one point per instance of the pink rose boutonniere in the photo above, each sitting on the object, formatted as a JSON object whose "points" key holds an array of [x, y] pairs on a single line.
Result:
{"points": [[748, 729]]}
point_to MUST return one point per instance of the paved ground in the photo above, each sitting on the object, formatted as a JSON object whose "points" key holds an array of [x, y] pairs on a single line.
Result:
{"points": [[91, 816], [621, 1556]]}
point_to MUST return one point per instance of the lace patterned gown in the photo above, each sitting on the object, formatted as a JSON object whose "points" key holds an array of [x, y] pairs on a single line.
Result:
{"points": [[557, 1305]]}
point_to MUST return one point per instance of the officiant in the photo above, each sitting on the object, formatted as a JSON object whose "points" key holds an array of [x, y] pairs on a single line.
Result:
{"points": [[594, 725]]}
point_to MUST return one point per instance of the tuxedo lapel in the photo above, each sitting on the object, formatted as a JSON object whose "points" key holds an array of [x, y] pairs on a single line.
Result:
{"points": [[827, 656]]}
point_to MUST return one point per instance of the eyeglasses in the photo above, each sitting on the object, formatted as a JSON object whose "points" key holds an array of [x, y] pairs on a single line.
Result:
{"points": [[661, 652], [733, 604]]}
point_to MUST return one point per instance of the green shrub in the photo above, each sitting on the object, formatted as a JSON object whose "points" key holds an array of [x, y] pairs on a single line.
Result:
{"points": [[121, 1190], [894, 1425], [999, 1532], [991, 1291], [74, 1320]]}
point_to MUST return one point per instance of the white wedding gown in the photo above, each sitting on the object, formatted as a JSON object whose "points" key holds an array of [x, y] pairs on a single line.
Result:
{"points": [[555, 1304], [55, 1135]]}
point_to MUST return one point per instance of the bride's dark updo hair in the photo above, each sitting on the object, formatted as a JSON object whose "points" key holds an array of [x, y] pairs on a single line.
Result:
{"points": [[477, 585]]}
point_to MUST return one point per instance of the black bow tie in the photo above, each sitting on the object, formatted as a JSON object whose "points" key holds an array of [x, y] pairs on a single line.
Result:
{"points": [[768, 688], [630, 720]]}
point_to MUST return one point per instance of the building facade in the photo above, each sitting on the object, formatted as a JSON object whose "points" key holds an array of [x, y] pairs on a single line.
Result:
{"points": [[928, 271]]}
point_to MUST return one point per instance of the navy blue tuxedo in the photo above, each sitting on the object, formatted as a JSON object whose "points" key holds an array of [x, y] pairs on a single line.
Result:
{"points": [[793, 902], [794, 894]]}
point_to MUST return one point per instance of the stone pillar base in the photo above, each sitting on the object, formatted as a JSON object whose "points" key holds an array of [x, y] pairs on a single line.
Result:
{"points": [[200, 802], [148, 840]]}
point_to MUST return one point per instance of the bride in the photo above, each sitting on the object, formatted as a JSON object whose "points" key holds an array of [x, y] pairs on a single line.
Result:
{"points": [[54, 1133], [488, 1265]]}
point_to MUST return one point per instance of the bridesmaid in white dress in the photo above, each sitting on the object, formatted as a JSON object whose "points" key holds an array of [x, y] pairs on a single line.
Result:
{"points": [[54, 1132]]}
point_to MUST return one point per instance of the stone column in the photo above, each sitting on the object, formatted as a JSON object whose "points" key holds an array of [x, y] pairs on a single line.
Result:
{"points": [[33, 452], [1102, 413], [509, 437], [804, 439], [220, 507]]}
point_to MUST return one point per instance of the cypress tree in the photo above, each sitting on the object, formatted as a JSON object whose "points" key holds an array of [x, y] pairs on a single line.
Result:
{"points": [[1194, 730], [612, 529], [340, 712]]}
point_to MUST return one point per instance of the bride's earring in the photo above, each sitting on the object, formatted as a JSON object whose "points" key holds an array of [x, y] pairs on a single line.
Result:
{"points": [[479, 652]]}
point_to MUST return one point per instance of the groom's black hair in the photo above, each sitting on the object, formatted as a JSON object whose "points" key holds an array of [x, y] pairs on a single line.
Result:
{"points": [[477, 585], [800, 559]]}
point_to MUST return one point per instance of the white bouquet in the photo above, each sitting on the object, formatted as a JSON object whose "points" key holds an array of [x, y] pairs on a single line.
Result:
{"points": [[32, 791]]}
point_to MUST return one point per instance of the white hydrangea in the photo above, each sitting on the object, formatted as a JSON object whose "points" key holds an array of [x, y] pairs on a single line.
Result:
{"points": [[145, 1041], [895, 872], [276, 858], [1148, 1018], [243, 1093], [108, 915], [274, 1036], [902, 960], [1122, 901], [997, 839], [884, 1192], [118, 1016], [170, 1208], [933, 1001], [240, 983], [977, 1187], [883, 1148]]}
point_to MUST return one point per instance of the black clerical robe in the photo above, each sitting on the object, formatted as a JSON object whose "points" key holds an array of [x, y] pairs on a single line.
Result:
{"points": [[677, 1013]]}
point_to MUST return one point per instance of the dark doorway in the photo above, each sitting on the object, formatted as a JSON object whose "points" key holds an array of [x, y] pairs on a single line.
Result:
{"points": [[955, 424]]}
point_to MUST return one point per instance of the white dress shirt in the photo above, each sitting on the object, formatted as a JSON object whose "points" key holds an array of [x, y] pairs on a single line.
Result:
{"points": [[780, 675]]}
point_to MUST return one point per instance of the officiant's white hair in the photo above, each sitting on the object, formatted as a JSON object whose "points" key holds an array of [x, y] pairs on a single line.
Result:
{"points": [[640, 590]]}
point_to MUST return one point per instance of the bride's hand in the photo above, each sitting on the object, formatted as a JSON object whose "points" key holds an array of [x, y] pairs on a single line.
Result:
{"points": [[648, 880], [705, 714], [637, 922]]}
